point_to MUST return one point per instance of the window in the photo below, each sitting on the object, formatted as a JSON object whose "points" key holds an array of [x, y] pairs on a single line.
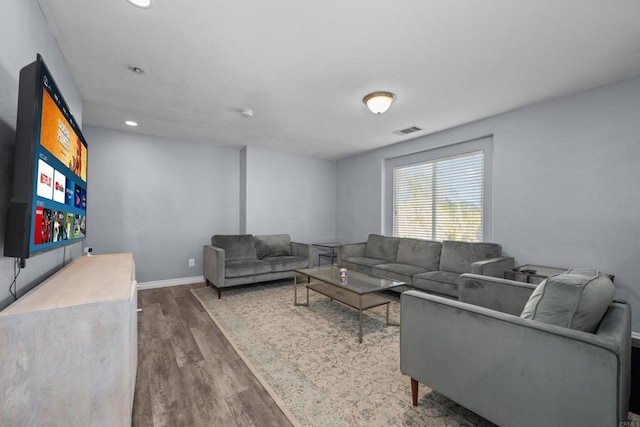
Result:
{"points": [[441, 199]]}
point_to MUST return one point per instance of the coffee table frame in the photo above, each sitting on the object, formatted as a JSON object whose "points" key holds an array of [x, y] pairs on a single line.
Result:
{"points": [[358, 292]]}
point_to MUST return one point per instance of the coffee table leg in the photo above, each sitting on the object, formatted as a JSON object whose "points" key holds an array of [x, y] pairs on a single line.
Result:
{"points": [[360, 310], [388, 304], [295, 292], [388, 322]]}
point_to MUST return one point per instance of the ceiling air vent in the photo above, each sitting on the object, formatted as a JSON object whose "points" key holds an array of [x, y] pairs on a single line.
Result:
{"points": [[407, 131]]}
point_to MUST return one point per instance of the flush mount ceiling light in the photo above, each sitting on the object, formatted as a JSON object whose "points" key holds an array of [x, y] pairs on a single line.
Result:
{"points": [[131, 123], [379, 102], [141, 3]]}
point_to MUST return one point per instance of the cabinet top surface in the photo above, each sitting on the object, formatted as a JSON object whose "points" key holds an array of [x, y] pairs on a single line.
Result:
{"points": [[86, 280]]}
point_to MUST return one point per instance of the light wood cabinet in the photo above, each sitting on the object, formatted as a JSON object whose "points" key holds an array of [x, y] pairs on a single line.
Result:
{"points": [[68, 348]]}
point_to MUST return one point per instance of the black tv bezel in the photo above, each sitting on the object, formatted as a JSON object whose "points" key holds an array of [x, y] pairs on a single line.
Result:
{"points": [[20, 211]]}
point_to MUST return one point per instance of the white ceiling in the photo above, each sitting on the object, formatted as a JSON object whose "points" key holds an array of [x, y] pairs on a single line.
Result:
{"points": [[303, 67]]}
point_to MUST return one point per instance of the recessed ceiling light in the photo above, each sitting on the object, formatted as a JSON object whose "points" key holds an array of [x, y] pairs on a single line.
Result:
{"points": [[131, 123], [135, 69], [141, 3]]}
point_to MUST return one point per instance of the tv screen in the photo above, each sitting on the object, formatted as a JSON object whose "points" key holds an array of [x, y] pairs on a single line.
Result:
{"points": [[48, 208]]}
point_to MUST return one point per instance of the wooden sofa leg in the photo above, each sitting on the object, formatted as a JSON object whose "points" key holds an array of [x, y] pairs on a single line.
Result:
{"points": [[219, 292], [414, 392]]}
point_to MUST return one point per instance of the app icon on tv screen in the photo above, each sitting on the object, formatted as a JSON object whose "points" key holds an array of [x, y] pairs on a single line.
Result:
{"points": [[45, 226], [69, 192], [68, 226], [58, 226], [59, 182], [45, 180], [78, 197]]}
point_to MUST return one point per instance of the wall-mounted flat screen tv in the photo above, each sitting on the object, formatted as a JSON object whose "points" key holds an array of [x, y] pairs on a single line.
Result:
{"points": [[48, 208]]}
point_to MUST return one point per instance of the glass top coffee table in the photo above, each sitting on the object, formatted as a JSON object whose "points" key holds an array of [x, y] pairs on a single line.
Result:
{"points": [[357, 291]]}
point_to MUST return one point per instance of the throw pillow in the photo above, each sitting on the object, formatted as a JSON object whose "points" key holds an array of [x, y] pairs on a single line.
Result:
{"points": [[382, 247], [576, 299], [235, 246], [273, 245]]}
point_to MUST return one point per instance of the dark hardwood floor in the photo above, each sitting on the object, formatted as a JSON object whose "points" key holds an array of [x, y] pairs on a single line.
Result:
{"points": [[188, 373]]}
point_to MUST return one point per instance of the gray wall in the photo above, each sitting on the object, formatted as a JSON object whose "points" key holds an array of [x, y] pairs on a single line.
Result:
{"points": [[24, 33], [289, 193], [159, 198], [565, 179], [162, 199]]}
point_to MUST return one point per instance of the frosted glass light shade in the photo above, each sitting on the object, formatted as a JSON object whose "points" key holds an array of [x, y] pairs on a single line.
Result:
{"points": [[378, 102], [141, 3]]}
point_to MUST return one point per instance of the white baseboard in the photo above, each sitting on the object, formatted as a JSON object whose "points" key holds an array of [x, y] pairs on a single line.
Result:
{"points": [[170, 282]]}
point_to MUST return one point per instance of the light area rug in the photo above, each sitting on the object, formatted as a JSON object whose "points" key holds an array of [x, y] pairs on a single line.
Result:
{"points": [[310, 361]]}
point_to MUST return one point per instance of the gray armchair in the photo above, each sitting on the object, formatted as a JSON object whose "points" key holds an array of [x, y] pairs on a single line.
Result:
{"points": [[478, 352]]}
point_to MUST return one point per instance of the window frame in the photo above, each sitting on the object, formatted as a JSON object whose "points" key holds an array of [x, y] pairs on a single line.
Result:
{"points": [[484, 144]]}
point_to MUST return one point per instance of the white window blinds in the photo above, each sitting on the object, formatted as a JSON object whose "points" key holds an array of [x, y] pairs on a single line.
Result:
{"points": [[440, 199]]}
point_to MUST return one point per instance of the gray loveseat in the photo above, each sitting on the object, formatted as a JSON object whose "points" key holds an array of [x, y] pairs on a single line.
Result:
{"points": [[481, 353], [233, 260], [424, 264]]}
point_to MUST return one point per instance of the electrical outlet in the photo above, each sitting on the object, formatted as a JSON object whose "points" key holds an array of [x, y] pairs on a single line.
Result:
{"points": [[192, 262]]}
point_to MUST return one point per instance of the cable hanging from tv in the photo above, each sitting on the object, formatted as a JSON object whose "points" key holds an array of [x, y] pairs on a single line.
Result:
{"points": [[18, 265]]}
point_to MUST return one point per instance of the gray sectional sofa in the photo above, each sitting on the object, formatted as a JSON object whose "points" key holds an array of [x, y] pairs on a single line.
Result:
{"points": [[424, 264], [233, 260]]}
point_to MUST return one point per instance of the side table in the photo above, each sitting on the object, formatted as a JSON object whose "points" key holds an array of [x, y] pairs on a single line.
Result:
{"points": [[531, 273], [328, 251]]}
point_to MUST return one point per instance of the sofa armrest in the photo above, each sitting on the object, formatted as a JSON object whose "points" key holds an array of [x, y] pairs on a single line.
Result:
{"points": [[213, 259], [304, 250], [541, 374], [507, 296], [349, 250], [494, 267]]}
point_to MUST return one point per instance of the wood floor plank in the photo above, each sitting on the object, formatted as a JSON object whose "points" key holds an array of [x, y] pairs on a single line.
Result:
{"points": [[142, 400], [199, 379], [188, 372], [222, 362], [168, 398], [247, 407], [185, 349]]}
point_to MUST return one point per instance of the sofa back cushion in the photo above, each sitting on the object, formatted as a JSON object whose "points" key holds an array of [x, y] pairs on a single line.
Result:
{"points": [[423, 253], [382, 247], [273, 245], [237, 246], [576, 299], [457, 257]]}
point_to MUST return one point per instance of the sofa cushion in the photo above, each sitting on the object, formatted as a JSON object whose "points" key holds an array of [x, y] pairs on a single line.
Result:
{"points": [[576, 299], [246, 267], [382, 247], [457, 257], [236, 246], [286, 263], [402, 272], [361, 264], [369, 262], [273, 245], [423, 253], [440, 282]]}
